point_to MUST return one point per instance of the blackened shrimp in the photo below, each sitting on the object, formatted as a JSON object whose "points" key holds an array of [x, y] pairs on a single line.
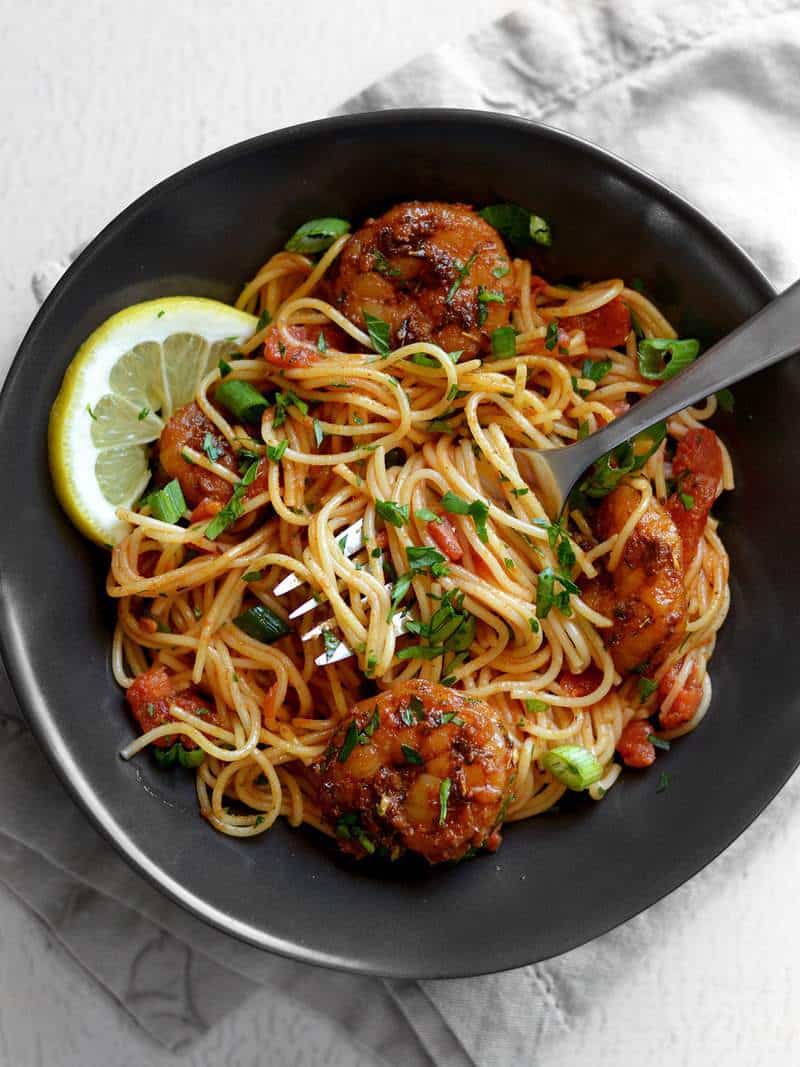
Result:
{"points": [[419, 767], [433, 271], [150, 696], [645, 594], [188, 428]]}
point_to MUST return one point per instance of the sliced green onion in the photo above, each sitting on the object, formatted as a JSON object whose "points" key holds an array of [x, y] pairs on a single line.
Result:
{"points": [[168, 504], [504, 342], [190, 757], [262, 624], [241, 399], [166, 757], [661, 358], [396, 514], [574, 766], [444, 796], [316, 235]]}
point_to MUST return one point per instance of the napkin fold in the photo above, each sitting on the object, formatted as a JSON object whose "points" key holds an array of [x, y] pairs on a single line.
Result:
{"points": [[706, 97]]}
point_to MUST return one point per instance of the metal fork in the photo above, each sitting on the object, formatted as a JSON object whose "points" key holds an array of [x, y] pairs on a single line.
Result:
{"points": [[768, 337]]}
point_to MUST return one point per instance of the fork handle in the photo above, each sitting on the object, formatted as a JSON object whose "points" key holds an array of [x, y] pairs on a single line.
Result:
{"points": [[768, 337]]}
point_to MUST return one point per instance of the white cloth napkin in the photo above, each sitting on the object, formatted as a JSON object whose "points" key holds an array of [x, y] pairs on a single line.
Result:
{"points": [[705, 97]]}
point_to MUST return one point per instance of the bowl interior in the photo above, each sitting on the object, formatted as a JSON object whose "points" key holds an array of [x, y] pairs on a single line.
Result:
{"points": [[560, 879]]}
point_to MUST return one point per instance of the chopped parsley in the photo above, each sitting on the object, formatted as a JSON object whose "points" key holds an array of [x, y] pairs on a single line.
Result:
{"points": [[426, 515], [382, 265], [415, 712], [411, 755], [659, 742], [350, 741], [478, 510], [551, 337], [461, 273], [143, 414], [536, 707], [264, 319], [224, 368], [253, 576], [726, 400], [233, 509], [389, 511], [284, 401], [378, 331], [275, 452], [646, 687], [319, 433], [664, 782]]}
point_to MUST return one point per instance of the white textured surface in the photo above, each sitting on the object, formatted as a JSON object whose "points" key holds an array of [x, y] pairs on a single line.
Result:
{"points": [[99, 106]]}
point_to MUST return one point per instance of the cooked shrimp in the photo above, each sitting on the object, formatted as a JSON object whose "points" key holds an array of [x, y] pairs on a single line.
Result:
{"points": [[149, 697], [420, 767], [644, 595], [187, 429], [433, 271]]}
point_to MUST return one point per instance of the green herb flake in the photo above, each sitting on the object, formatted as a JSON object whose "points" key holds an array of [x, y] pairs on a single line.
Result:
{"points": [[275, 452], [646, 687], [411, 755], [211, 447], [536, 707], [664, 782], [659, 742], [461, 273], [319, 433], [317, 235], [551, 337], [378, 331], [426, 515], [143, 414], [224, 368], [444, 795], [252, 576], [389, 511], [350, 741]]}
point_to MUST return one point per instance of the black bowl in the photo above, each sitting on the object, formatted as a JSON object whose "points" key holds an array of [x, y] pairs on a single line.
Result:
{"points": [[558, 880]]}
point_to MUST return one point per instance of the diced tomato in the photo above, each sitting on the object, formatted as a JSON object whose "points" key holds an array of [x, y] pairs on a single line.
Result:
{"points": [[482, 568], [149, 698], [686, 702], [580, 685], [697, 470], [633, 745], [538, 282], [206, 509], [305, 351], [605, 327], [445, 536]]}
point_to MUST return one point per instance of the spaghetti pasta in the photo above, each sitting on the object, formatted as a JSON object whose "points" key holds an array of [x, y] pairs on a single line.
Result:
{"points": [[368, 420]]}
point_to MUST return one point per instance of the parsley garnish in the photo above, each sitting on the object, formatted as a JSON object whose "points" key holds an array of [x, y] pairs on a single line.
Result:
{"points": [[461, 274], [551, 337], [478, 510], [411, 755], [143, 414], [350, 741], [646, 688], [319, 433], [451, 717], [396, 514], [664, 782], [91, 413], [378, 331], [233, 509], [382, 265], [546, 595], [284, 401], [264, 319], [253, 576], [426, 515], [275, 452], [536, 707], [420, 558], [224, 368], [725, 399]]}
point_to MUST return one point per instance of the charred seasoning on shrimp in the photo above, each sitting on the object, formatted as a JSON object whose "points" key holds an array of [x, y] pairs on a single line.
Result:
{"points": [[419, 767], [433, 271]]}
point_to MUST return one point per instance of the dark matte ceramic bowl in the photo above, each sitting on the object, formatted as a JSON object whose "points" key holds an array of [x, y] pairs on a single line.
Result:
{"points": [[558, 880]]}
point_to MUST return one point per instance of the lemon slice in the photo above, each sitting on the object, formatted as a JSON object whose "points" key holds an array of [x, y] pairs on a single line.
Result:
{"points": [[125, 381]]}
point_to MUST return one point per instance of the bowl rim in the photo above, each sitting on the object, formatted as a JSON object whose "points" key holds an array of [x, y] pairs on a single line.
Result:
{"points": [[12, 646]]}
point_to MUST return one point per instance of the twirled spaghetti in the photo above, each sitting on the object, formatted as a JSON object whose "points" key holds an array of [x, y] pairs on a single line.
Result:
{"points": [[427, 449]]}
